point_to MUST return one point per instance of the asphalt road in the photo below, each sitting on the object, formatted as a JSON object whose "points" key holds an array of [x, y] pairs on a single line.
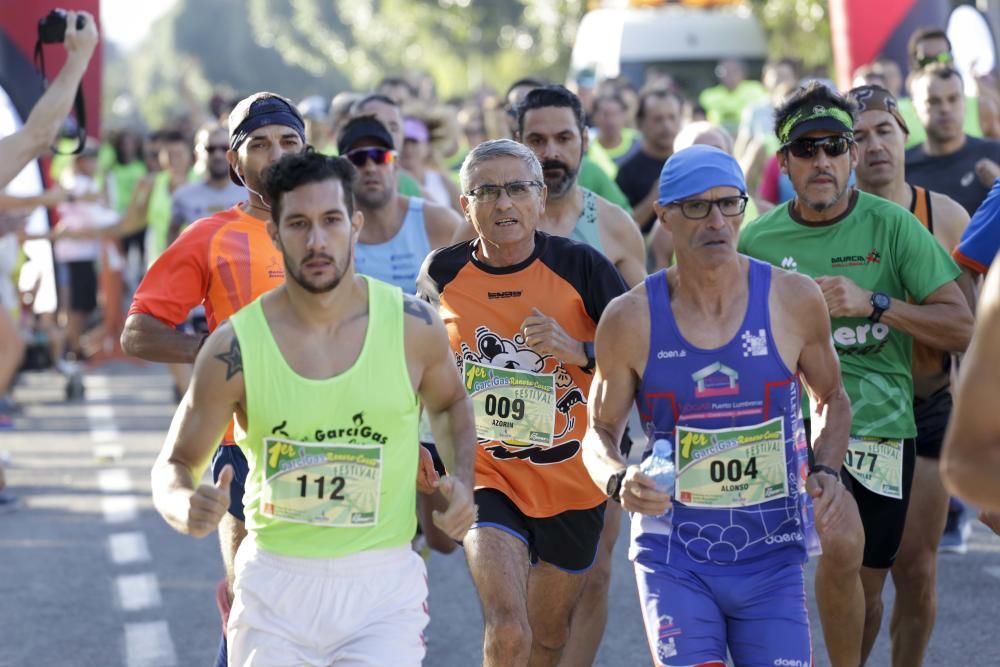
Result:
{"points": [[91, 576]]}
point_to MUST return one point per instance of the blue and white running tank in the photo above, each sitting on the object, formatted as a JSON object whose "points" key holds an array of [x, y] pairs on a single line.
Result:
{"points": [[733, 414]]}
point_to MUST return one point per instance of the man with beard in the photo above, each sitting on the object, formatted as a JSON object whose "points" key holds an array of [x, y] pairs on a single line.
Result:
{"points": [[215, 192], [398, 234], [880, 133], [521, 308], [224, 261], [868, 256], [399, 231], [326, 375]]}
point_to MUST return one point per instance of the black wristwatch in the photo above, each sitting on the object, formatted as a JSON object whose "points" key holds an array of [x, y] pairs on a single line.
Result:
{"points": [[588, 350], [819, 467], [614, 488], [880, 303]]}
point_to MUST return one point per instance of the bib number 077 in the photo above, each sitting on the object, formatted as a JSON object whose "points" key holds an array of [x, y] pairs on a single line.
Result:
{"points": [[856, 459], [336, 484]]}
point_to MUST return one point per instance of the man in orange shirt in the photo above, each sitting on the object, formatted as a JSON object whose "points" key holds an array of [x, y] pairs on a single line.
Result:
{"points": [[521, 307], [224, 261]]}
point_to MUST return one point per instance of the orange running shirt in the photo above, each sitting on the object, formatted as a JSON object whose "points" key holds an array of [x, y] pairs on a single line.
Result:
{"points": [[483, 308], [926, 360], [224, 261]]}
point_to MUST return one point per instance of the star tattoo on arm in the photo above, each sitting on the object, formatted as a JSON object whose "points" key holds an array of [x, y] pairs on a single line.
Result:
{"points": [[233, 359]]}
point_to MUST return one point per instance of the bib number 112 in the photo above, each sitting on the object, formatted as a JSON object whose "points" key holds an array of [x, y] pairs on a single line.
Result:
{"points": [[336, 483]]}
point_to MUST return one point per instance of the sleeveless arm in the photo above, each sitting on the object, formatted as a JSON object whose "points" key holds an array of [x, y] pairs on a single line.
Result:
{"points": [[215, 393]]}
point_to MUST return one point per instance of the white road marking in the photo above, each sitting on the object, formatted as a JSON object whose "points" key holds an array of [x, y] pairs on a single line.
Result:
{"points": [[119, 509], [109, 452], [115, 480], [149, 645], [993, 570], [128, 548], [138, 591]]}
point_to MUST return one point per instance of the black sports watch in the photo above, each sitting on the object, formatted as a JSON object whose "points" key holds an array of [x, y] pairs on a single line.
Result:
{"points": [[819, 467], [614, 488], [880, 303], [588, 350]]}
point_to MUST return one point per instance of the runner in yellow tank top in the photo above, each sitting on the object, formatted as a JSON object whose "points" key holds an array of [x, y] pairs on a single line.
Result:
{"points": [[324, 375]]}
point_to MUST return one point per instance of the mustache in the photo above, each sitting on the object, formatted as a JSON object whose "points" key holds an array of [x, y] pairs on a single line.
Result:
{"points": [[822, 174], [554, 164], [316, 255]]}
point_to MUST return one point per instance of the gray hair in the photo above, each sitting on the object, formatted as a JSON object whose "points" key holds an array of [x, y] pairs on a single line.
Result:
{"points": [[490, 150]]}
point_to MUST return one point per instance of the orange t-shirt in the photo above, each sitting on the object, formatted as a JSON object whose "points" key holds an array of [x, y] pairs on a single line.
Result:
{"points": [[483, 308], [224, 261]]}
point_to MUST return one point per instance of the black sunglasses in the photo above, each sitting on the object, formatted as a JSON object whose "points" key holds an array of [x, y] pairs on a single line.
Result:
{"points": [[808, 148], [361, 156]]}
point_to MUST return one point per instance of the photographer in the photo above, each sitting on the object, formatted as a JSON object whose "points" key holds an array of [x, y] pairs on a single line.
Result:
{"points": [[31, 141], [47, 117]]}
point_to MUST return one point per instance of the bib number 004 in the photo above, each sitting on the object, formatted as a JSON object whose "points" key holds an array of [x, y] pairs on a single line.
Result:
{"points": [[733, 470]]}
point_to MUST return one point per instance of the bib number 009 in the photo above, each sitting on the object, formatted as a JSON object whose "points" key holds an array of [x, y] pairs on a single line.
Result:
{"points": [[733, 470], [503, 407], [336, 483]]}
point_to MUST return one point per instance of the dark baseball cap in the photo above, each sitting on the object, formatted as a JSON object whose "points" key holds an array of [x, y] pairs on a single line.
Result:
{"points": [[363, 127], [256, 111]]}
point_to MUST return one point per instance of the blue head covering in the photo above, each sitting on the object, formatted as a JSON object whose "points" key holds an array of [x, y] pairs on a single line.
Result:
{"points": [[696, 169]]}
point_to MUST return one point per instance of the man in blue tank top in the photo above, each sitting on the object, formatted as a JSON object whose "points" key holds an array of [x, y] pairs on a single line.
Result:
{"points": [[399, 231], [712, 349]]}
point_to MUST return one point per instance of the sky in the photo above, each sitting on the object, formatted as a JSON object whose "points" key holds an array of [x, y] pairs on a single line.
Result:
{"points": [[126, 22]]}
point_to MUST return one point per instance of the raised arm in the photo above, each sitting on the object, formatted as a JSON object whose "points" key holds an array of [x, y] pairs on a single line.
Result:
{"points": [[214, 395], [47, 116]]}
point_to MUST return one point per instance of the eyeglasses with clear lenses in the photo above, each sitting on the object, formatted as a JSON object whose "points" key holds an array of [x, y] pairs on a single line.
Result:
{"points": [[516, 190], [696, 209], [807, 148], [360, 156]]}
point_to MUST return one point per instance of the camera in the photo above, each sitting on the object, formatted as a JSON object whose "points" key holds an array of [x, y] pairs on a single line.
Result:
{"points": [[52, 27]]}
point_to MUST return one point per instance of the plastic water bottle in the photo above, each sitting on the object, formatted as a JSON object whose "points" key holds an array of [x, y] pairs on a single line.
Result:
{"points": [[660, 466], [809, 534]]}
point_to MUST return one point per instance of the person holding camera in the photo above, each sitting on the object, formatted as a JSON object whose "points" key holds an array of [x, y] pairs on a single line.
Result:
{"points": [[40, 129]]}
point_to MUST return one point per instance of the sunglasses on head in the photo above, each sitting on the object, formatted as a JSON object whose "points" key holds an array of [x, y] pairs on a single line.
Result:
{"points": [[379, 156], [808, 148]]}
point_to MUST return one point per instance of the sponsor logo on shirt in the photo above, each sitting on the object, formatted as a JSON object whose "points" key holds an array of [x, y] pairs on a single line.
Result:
{"points": [[513, 294], [671, 354], [790, 662], [716, 380], [967, 179], [274, 269], [356, 433], [789, 264], [861, 339], [873, 257], [783, 538], [755, 345]]}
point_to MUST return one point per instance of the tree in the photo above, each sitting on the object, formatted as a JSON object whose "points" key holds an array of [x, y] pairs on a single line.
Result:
{"points": [[798, 29]]}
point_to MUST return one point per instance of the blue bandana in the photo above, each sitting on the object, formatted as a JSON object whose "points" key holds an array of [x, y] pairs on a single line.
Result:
{"points": [[696, 169], [266, 111]]}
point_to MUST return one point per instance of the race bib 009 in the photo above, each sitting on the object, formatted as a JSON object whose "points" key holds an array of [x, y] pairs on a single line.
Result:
{"points": [[322, 484], [510, 405], [733, 467]]}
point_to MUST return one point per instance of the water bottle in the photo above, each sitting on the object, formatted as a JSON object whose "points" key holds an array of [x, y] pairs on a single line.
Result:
{"points": [[809, 534], [660, 467]]}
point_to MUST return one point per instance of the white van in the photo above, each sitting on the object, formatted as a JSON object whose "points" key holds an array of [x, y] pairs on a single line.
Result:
{"points": [[685, 42]]}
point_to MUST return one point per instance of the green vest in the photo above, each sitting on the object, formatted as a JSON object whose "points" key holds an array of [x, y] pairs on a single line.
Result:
{"points": [[332, 463]]}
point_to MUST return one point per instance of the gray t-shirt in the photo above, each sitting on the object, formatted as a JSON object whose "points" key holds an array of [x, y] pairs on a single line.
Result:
{"points": [[199, 200]]}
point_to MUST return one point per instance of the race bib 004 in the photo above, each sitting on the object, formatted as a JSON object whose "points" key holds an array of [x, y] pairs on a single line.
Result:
{"points": [[322, 484], [510, 405], [877, 463], [733, 467]]}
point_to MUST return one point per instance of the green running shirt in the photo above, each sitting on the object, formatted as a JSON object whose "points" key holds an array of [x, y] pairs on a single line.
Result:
{"points": [[883, 248]]}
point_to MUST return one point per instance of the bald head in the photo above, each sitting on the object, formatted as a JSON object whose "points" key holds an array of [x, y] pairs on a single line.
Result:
{"points": [[703, 132]]}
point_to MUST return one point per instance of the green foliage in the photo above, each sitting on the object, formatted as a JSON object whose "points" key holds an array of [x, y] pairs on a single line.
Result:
{"points": [[797, 29], [303, 47]]}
